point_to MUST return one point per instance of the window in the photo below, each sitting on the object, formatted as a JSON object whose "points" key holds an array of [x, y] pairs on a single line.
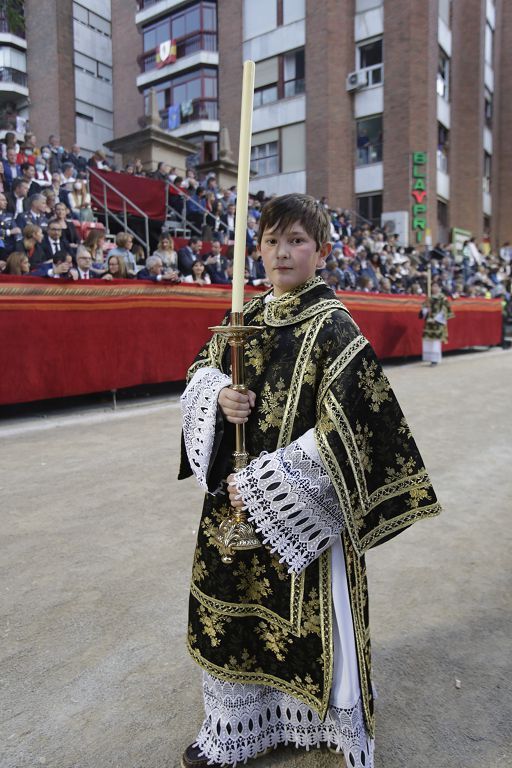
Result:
{"points": [[369, 57], [442, 222], [265, 95], [92, 20], [486, 181], [443, 140], [366, 5], [443, 76], [445, 11], [194, 29], [195, 92], [488, 108], [92, 67], [369, 208], [489, 44], [294, 73], [369, 140], [265, 158]]}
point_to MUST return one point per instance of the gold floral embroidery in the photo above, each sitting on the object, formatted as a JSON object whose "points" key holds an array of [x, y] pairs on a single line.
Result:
{"points": [[213, 624], [274, 639], [246, 662], [363, 436], [251, 582], [417, 495], [280, 568], [405, 467], [199, 568], [311, 615], [375, 388], [403, 429], [272, 405], [192, 638], [308, 684]]}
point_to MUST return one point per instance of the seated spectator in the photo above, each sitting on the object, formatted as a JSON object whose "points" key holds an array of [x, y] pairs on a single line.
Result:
{"points": [[194, 208], [129, 168], [116, 268], [51, 200], [36, 213], [9, 142], [139, 168], [55, 185], [79, 201], [32, 244], [54, 240], [124, 243], [255, 270], [61, 267], [216, 264], [154, 270], [11, 169], [165, 250], [189, 254], [10, 233], [98, 161], [214, 220], [57, 153], [28, 173], [251, 234], [68, 229], [94, 243], [78, 160], [67, 179], [42, 175], [162, 172], [139, 254], [199, 275], [17, 263], [228, 219], [84, 267], [17, 198]]}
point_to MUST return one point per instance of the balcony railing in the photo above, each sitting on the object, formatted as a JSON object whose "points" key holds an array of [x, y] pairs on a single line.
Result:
{"points": [[197, 109], [374, 74], [185, 46], [9, 75], [294, 87]]}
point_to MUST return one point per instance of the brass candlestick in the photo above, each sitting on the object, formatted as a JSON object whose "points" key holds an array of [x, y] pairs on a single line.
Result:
{"points": [[235, 533]]}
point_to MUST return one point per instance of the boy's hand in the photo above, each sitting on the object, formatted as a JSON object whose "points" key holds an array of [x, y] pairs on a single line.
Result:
{"points": [[234, 494], [236, 406]]}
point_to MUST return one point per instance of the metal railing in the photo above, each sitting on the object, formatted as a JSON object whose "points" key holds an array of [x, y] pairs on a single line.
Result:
{"points": [[10, 75], [369, 154], [102, 204], [6, 28], [200, 109], [185, 46], [177, 220]]}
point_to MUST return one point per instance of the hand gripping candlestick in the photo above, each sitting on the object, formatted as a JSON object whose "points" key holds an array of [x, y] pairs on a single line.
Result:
{"points": [[235, 533]]}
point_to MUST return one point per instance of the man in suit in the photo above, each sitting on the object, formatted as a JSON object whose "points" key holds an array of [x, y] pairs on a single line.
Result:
{"points": [[189, 254], [17, 198], [61, 266], [229, 220], [35, 214], [28, 173], [216, 264], [11, 169], [54, 241], [78, 160], [154, 270]]}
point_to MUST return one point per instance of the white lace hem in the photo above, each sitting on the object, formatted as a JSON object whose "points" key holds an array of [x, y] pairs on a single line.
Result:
{"points": [[244, 720], [292, 503], [199, 411]]}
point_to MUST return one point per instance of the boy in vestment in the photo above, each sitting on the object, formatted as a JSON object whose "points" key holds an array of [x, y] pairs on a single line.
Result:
{"points": [[282, 633]]}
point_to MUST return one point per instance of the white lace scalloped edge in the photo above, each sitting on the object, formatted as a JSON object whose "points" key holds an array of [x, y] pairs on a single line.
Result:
{"points": [[199, 412], [245, 720], [292, 503]]}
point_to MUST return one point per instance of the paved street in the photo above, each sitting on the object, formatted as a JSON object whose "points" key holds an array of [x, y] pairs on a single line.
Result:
{"points": [[97, 539]]}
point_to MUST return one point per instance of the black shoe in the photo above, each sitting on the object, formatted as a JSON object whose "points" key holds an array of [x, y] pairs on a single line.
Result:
{"points": [[193, 758]]}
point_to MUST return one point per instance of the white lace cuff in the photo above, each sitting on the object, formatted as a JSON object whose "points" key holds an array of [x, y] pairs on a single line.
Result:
{"points": [[291, 501], [199, 410]]}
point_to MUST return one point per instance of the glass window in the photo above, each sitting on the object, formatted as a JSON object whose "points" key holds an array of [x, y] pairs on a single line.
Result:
{"points": [[488, 108], [443, 140], [105, 72], [99, 23], [149, 39], [487, 172], [265, 95], [443, 76], [369, 208], [265, 159], [178, 26], [192, 21], [370, 54], [489, 44], [369, 140], [80, 13], [85, 63], [209, 18], [445, 10]]}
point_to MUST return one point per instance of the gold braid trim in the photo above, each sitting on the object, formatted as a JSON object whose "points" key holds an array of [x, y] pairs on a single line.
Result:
{"points": [[254, 609], [397, 487], [332, 305], [341, 362], [398, 523], [320, 705], [304, 355], [361, 631]]}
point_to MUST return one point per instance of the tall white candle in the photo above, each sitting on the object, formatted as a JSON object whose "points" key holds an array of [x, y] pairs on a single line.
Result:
{"points": [[242, 187]]}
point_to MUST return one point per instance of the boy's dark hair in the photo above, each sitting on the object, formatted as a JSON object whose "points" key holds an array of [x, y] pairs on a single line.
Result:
{"points": [[281, 212]]}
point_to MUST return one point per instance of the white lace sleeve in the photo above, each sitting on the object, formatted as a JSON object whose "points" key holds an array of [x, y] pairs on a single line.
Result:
{"points": [[291, 501], [199, 410]]}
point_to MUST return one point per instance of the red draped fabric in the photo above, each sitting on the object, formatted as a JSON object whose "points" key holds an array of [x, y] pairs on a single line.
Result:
{"points": [[147, 194], [64, 338]]}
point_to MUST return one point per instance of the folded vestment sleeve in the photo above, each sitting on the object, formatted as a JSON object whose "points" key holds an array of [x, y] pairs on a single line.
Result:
{"points": [[201, 420], [291, 501]]}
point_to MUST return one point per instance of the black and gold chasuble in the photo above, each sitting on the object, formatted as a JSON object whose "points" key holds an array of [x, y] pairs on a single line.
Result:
{"points": [[438, 306], [310, 367]]}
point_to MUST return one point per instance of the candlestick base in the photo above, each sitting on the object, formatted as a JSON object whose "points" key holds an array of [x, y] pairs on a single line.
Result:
{"points": [[235, 534]]}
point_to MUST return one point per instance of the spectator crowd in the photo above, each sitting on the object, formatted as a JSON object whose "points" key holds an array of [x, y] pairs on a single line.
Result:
{"points": [[48, 229]]}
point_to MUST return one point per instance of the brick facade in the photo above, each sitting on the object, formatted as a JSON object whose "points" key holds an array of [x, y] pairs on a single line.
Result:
{"points": [[330, 132], [467, 116], [126, 47], [230, 35], [409, 123], [49, 32], [502, 128]]}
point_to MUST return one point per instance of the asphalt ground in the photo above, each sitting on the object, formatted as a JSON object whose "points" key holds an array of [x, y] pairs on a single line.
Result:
{"points": [[97, 540]]}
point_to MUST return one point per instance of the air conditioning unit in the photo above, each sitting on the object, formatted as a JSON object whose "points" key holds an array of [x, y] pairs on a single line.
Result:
{"points": [[357, 80]]}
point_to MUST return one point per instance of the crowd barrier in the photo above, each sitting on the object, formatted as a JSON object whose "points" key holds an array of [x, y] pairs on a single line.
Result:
{"points": [[63, 338]]}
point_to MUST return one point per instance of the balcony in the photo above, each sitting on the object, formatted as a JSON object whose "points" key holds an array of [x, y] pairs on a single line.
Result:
{"points": [[369, 154], [8, 29], [198, 109], [13, 84]]}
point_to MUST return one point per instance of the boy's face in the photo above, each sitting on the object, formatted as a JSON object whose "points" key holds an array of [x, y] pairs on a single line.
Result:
{"points": [[291, 257]]}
